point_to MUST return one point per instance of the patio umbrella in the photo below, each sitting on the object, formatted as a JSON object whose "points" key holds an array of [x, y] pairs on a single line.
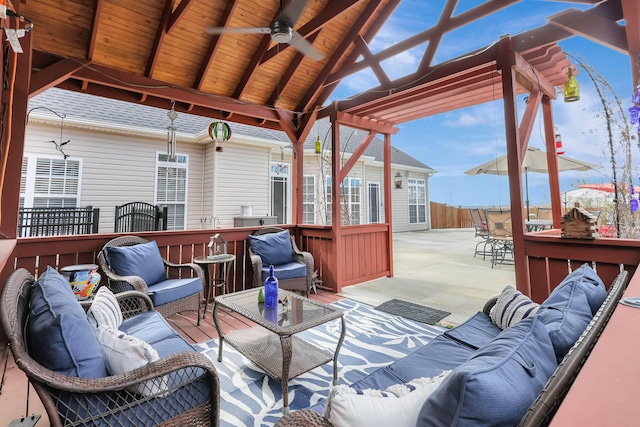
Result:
{"points": [[535, 160]]}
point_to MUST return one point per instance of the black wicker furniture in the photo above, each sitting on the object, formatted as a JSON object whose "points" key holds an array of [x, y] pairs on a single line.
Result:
{"points": [[181, 388]]}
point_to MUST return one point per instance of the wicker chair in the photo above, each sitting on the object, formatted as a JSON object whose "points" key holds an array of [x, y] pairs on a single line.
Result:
{"points": [[192, 397], [119, 283], [302, 284]]}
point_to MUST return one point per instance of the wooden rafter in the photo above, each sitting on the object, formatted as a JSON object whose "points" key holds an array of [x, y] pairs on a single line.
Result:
{"points": [[178, 13], [631, 10], [161, 33], [53, 75], [97, 12], [593, 27], [439, 31], [378, 71]]}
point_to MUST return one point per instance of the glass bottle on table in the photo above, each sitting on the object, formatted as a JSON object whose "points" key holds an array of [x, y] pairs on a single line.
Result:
{"points": [[271, 289]]}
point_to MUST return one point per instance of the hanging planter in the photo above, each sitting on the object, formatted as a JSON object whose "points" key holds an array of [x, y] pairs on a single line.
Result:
{"points": [[219, 132]]}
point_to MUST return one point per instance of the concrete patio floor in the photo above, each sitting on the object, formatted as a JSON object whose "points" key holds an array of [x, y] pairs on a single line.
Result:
{"points": [[437, 268]]}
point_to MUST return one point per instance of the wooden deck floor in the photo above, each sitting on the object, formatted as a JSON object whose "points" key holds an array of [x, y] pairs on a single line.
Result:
{"points": [[13, 385]]}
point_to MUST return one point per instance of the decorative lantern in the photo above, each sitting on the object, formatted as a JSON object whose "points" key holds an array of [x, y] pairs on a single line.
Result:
{"points": [[571, 90], [559, 149], [219, 132], [318, 146], [217, 246], [398, 180]]}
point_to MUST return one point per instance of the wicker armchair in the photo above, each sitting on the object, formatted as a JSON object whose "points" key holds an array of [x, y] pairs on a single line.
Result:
{"points": [[119, 283], [302, 284], [192, 396]]}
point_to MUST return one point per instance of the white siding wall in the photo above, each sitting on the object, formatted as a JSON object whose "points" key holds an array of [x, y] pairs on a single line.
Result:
{"points": [[400, 200]]}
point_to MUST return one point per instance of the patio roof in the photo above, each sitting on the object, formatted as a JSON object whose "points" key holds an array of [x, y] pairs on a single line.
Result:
{"points": [[247, 78]]}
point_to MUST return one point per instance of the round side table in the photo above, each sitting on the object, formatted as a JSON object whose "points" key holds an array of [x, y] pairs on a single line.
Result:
{"points": [[220, 276]]}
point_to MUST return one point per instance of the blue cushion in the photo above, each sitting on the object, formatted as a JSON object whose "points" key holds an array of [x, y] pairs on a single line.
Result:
{"points": [[149, 326], [141, 260], [60, 336], [173, 289], [498, 383], [273, 248], [289, 270], [475, 332], [588, 281]]}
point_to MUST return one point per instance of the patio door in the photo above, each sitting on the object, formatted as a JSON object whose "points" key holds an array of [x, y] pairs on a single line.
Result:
{"points": [[280, 192], [373, 189]]}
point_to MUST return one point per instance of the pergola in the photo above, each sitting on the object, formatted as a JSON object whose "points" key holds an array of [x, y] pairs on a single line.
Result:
{"points": [[154, 51]]}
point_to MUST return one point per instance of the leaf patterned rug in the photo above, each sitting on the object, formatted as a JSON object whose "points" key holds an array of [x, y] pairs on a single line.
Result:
{"points": [[373, 339]]}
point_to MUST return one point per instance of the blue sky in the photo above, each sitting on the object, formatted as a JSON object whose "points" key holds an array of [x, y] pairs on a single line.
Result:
{"points": [[457, 141]]}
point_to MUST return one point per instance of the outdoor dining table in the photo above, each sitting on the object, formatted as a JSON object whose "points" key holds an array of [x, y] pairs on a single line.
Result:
{"points": [[538, 224]]}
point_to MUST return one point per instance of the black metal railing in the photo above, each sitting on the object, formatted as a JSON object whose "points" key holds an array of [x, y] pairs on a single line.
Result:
{"points": [[33, 222]]}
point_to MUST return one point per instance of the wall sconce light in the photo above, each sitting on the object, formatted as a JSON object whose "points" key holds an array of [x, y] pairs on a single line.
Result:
{"points": [[398, 180], [171, 133], [571, 89], [318, 145]]}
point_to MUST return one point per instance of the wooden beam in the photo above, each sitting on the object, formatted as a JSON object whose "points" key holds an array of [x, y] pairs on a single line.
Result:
{"points": [[439, 30], [593, 27], [355, 156], [287, 125], [365, 124], [528, 119], [535, 77], [552, 161], [388, 206], [631, 9], [97, 12], [161, 33], [362, 47], [178, 14], [53, 75]]}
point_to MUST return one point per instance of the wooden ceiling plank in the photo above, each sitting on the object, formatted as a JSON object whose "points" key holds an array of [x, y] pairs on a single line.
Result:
{"points": [[178, 14], [161, 33], [287, 76], [322, 93], [338, 53], [53, 75], [141, 84], [459, 20], [94, 29], [213, 45], [439, 30], [631, 9], [595, 28], [332, 10]]}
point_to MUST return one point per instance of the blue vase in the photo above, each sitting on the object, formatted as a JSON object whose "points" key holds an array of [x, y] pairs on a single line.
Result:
{"points": [[271, 290]]}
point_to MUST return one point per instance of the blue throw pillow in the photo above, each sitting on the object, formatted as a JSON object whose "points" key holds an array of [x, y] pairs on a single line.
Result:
{"points": [[498, 383], [273, 248], [141, 260], [570, 307], [60, 337]]}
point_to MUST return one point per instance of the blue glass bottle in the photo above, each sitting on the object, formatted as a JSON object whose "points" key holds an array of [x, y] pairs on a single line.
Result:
{"points": [[271, 290]]}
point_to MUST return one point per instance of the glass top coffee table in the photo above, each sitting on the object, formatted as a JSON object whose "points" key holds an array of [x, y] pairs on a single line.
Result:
{"points": [[272, 344]]}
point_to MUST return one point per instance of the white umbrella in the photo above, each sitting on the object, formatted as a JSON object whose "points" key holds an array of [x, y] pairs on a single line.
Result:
{"points": [[535, 160]]}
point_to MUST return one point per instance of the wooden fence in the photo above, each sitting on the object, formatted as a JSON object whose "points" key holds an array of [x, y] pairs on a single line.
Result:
{"points": [[445, 216]]}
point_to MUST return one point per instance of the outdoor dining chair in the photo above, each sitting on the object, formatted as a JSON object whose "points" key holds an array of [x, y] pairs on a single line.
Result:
{"points": [[480, 225], [500, 236]]}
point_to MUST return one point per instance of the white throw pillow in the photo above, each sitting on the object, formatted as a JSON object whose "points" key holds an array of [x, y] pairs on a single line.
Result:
{"points": [[397, 406], [124, 353], [105, 310], [511, 307]]}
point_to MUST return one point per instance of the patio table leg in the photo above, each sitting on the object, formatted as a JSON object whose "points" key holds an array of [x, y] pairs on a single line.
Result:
{"points": [[220, 334], [287, 352], [335, 355]]}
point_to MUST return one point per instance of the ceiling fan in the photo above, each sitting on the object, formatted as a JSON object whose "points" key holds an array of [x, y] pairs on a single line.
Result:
{"points": [[281, 30]]}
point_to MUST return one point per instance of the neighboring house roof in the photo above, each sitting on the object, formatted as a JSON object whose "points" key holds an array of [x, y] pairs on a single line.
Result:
{"points": [[111, 111]]}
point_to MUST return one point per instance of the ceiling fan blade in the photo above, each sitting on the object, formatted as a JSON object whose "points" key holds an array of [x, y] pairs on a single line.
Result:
{"points": [[305, 47], [292, 12], [250, 30]]}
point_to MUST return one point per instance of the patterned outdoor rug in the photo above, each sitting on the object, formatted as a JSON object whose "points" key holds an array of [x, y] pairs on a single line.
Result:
{"points": [[420, 313], [248, 397]]}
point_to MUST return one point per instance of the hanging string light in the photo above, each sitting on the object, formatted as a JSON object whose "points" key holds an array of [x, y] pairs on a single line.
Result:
{"points": [[171, 133]]}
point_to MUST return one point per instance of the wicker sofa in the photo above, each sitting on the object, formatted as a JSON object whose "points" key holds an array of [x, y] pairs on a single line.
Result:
{"points": [[181, 388], [452, 401]]}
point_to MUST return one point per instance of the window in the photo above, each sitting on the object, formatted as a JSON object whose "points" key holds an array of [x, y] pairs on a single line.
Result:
{"points": [[50, 182], [350, 199], [308, 199], [417, 201], [171, 189]]}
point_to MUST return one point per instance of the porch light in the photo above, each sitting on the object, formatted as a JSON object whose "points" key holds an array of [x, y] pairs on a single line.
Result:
{"points": [[171, 133], [398, 180], [571, 89], [318, 145]]}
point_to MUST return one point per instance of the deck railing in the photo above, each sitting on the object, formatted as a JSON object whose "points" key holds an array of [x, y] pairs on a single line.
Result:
{"points": [[34, 222]]}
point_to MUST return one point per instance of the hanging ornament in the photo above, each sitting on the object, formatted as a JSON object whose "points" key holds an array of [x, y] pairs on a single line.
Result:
{"points": [[633, 204], [559, 149], [219, 132], [634, 110]]}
